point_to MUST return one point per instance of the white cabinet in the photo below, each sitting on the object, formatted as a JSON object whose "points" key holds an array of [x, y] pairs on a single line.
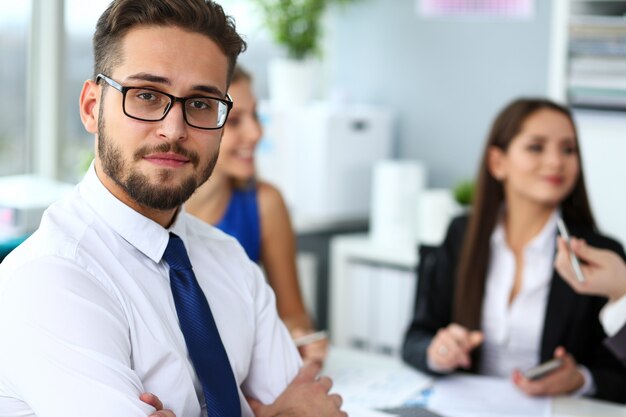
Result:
{"points": [[372, 292], [321, 156]]}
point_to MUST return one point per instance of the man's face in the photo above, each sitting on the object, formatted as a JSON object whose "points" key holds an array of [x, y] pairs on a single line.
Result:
{"points": [[158, 165]]}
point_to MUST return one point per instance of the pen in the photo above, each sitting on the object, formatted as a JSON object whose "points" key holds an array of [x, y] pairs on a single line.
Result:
{"points": [[310, 338], [573, 258]]}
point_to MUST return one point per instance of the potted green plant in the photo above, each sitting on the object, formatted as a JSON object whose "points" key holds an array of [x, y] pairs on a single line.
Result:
{"points": [[464, 193], [296, 25]]}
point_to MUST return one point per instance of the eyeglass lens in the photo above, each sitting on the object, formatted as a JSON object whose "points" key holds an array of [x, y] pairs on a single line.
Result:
{"points": [[152, 105]]}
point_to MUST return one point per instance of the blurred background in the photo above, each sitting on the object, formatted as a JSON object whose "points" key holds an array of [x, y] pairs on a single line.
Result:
{"points": [[376, 146]]}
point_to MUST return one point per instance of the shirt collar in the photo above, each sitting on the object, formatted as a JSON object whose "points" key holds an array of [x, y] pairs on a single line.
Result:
{"points": [[542, 243], [144, 234]]}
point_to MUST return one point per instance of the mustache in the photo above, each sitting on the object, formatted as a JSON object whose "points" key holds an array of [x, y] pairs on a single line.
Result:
{"points": [[174, 147]]}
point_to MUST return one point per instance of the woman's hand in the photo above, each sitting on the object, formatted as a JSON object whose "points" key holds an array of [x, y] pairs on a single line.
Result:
{"points": [[451, 348], [563, 380]]}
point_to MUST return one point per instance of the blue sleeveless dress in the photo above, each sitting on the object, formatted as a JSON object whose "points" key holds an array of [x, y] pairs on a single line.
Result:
{"points": [[242, 220]]}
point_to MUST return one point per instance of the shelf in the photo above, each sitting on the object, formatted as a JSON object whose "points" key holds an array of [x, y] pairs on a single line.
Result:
{"points": [[600, 21], [596, 55], [600, 8]]}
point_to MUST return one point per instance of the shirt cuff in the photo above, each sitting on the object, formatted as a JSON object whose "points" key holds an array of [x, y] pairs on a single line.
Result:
{"points": [[589, 386], [613, 316]]}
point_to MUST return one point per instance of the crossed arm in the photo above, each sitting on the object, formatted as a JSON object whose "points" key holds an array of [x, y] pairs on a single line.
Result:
{"points": [[306, 396]]}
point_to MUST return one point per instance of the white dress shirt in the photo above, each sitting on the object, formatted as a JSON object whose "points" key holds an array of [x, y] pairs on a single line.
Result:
{"points": [[513, 331], [613, 316], [88, 322]]}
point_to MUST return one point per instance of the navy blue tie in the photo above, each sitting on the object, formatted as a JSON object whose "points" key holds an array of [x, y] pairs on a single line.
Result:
{"points": [[201, 335]]}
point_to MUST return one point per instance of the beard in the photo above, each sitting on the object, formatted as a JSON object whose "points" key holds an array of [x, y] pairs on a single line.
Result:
{"points": [[150, 191]]}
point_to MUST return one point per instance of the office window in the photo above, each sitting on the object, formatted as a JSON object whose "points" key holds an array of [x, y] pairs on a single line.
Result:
{"points": [[246, 14], [76, 144], [14, 31], [261, 47]]}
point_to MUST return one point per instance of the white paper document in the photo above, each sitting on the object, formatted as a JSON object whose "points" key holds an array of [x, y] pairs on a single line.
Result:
{"points": [[474, 396], [358, 411], [377, 388]]}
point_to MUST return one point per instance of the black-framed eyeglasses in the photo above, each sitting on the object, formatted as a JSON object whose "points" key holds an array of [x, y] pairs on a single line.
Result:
{"points": [[150, 105]]}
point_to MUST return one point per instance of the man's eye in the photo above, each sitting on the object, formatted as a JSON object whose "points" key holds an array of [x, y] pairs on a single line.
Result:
{"points": [[146, 96], [198, 104]]}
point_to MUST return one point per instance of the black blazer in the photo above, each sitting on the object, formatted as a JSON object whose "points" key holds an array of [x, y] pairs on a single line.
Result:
{"points": [[617, 344], [571, 319]]}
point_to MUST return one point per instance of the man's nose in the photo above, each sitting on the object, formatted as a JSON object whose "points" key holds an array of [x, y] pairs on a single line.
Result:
{"points": [[173, 125]]}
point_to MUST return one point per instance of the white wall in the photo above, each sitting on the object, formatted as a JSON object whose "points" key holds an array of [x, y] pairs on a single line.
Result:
{"points": [[603, 146], [445, 78]]}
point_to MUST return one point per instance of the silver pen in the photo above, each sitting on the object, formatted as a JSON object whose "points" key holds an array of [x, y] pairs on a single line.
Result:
{"points": [[572, 256]]}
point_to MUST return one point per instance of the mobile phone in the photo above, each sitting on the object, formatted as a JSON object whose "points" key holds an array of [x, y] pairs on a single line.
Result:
{"points": [[539, 371], [572, 256]]}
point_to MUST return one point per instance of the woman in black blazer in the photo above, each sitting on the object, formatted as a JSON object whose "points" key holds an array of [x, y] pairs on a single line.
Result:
{"points": [[495, 266]]}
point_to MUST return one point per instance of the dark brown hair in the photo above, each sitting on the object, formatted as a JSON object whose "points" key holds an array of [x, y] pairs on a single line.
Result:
{"points": [[200, 16], [473, 262]]}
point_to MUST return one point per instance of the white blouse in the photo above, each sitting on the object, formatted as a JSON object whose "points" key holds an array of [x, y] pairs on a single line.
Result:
{"points": [[513, 331]]}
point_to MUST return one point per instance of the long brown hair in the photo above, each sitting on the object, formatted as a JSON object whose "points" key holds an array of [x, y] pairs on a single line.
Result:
{"points": [[474, 259]]}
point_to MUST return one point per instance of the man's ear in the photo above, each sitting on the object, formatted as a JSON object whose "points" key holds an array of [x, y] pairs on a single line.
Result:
{"points": [[496, 163], [90, 105]]}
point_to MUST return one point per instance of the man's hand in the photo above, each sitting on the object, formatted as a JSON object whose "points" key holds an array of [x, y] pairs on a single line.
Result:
{"points": [[154, 401], [305, 396], [563, 380], [451, 348], [604, 270]]}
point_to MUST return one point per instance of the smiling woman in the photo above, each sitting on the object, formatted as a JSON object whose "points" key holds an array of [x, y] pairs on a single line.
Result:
{"points": [[254, 211], [492, 289]]}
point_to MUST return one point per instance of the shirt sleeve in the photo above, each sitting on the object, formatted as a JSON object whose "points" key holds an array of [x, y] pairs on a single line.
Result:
{"points": [[589, 387], [66, 348], [275, 359], [613, 316]]}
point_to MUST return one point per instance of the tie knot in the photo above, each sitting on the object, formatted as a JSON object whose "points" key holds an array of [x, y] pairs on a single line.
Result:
{"points": [[175, 254]]}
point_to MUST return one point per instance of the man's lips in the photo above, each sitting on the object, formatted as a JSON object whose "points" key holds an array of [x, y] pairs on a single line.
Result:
{"points": [[167, 159]]}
